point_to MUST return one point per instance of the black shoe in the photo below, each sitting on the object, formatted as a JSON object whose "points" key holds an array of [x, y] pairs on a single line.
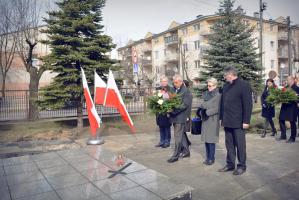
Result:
{"points": [[239, 171], [290, 141], [158, 145], [208, 162], [165, 146], [278, 139], [274, 133], [226, 169], [264, 134], [185, 155], [172, 160]]}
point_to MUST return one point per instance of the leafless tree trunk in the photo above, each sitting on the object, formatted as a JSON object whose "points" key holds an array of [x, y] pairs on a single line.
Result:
{"points": [[7, 40], [28, 20]]}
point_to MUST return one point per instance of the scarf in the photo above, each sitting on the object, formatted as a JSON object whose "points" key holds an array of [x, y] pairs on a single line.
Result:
{"points": [[210, 94]]}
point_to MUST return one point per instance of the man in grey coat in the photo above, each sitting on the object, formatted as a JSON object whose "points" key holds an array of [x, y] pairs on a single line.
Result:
{"points": [[178, 118]]}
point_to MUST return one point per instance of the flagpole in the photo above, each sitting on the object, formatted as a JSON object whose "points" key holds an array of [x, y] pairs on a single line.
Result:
{"points": [[98, 140]]}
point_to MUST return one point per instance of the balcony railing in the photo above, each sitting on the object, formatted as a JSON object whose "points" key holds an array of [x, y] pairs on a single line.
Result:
{"points": [[282, 53], [146, 62], [282, 36], [172, 57], [206, 32], [171, 40], [147, 49]]}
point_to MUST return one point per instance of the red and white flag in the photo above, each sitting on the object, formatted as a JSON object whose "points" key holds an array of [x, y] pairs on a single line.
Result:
{"points": [[114, 99], [93, 117], [100, 89]]}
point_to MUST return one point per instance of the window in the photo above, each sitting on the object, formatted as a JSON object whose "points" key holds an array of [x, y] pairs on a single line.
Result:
{"points": [[157, 54], [156, 41], [271, 27], [196, 45], [196, 27], [185, 47], [246, 22], [157, 70], [272, 64], [185, 31], [186, 64], [272, 45], [197, 64]]}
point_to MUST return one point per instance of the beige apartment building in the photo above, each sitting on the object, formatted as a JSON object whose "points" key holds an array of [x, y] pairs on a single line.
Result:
{"points": [[180, 49]]}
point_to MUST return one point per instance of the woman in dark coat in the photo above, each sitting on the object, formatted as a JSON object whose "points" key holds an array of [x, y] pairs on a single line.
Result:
{"points": [[268, 110], [163, 120]]}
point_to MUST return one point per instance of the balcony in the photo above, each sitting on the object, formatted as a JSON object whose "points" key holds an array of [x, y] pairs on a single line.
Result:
{"points": [[203, 48], [147, 49], [282, 36], [146, 62], [206, 32], [171, 40], [282, 54], [172, 57]]}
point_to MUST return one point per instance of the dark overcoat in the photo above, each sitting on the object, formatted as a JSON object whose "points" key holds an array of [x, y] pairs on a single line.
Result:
{"points": [[268, 111], [236, 104], [288, 111]]}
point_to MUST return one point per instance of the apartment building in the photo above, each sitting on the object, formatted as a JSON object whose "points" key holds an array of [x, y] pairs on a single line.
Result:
{"points": [[180, 49]]}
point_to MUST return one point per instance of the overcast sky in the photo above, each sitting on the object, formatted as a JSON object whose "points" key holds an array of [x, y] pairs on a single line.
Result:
{"points": [[132, 19]]}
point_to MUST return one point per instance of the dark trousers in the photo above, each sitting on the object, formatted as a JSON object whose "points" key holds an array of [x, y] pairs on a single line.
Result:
{"points": [[180, 139], [210, 151], [283, 129], [165, 135], [267, 122], [235, 141]]}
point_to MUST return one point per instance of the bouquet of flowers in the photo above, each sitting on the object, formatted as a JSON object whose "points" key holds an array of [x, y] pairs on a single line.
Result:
{"points": [[164, 102], [284, 95]]}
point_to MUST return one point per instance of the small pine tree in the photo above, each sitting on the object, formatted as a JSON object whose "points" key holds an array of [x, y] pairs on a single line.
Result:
{"points": [[231, 44], [76, 40]]}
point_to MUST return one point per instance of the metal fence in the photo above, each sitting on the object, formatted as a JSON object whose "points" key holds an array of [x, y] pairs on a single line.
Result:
{"points": [[15, 105]]}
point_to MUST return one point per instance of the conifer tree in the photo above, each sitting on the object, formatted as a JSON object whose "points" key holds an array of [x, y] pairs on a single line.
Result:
{"points": [[232, 44], [76, 39]]}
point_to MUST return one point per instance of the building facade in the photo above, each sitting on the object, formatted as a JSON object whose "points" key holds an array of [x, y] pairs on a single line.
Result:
{"points": [[180, 49]]}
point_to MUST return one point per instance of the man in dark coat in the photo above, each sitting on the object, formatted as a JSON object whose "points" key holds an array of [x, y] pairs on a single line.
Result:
{"points": [[288, 112], [235, 113], [178, 118]]}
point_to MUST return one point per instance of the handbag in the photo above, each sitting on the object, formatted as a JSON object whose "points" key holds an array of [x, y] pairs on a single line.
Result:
{"points": [[196, 126]]}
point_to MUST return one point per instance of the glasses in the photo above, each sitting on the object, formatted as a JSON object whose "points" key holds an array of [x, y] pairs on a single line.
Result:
{"points": [[210, 85]]}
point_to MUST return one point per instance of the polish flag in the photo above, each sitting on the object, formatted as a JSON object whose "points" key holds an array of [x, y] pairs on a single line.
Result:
{"points": [[100, 89], [114, 99], [93, 117]]}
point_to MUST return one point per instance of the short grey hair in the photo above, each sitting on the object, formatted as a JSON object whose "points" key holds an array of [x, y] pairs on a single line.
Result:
{"points": [[163, 78], [231, 70], [177, 77], [213, 81]]}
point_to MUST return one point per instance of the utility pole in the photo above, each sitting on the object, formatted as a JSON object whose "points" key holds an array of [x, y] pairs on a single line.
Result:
{"points": [[263, 6], [289, 45]]}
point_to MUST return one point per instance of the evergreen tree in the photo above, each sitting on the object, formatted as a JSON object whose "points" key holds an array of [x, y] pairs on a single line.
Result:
{"points": [[232, 44], [76, 40]]}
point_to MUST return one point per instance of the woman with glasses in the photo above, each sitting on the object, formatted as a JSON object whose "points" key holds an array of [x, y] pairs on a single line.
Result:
{"points": [[210, 119]]}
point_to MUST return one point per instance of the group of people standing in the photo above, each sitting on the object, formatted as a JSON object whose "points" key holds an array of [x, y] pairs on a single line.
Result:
{"points": [[231, 108], [288, 111]]}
